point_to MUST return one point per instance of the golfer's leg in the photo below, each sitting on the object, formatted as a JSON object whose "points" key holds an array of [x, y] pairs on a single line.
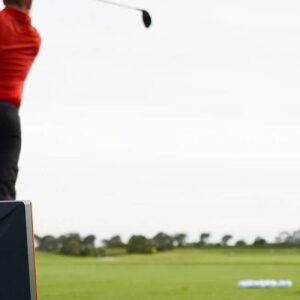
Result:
{"points": [[10, 146], [7, 185]]}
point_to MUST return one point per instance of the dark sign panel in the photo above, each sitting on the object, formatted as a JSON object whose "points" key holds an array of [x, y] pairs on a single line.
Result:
{"points": [[17, 264]]}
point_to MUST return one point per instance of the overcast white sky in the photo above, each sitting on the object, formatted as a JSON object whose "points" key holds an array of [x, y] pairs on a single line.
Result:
{"points": [[190, 126]]}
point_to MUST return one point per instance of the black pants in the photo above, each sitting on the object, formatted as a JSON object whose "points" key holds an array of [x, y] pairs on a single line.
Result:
{"points": [[10, 147]]}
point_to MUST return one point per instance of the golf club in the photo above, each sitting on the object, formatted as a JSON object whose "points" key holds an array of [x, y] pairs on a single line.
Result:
{"points": [[146, 16]]}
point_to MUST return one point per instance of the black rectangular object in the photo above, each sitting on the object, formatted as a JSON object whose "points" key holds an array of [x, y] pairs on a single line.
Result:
{"points": [[17, 258]]}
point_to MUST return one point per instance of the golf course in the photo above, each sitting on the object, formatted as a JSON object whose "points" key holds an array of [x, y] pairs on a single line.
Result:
{"points": [[189, 274]]}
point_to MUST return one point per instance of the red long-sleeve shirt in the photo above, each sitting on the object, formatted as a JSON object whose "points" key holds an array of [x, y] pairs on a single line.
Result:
{"points": [[19, 45]]}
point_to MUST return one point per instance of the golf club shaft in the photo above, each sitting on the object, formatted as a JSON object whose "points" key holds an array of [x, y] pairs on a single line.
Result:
{"points": [[120, 5]]}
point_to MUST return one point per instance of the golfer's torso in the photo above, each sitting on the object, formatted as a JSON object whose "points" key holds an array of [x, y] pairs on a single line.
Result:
{"points": [[19, 45]]}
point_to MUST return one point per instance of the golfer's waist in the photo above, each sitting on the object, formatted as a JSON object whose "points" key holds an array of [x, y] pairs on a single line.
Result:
{"points": [[11, 91], [8, 103]]}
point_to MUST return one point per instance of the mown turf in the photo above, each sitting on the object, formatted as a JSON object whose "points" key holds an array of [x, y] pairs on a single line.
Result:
{"points": [[181, 274]]}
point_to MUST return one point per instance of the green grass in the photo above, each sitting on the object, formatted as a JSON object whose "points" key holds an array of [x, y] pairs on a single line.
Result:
{"points": [[181, 274]]}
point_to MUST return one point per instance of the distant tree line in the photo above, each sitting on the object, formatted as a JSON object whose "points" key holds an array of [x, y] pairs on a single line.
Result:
{"points": [[74, 244], [69, 244]]}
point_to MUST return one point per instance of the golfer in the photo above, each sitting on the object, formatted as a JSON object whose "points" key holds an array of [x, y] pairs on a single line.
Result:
{"points": [[19, 46]]}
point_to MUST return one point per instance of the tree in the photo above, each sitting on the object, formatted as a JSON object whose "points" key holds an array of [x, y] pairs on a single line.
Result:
{"points": [[61, 240], [204, 237], [114, 242], [287, 238], [163, 242], [259, 242], [225, 239], [284, 237], [295, 238], [240, 243], [71, 247], [88, 245], [48, 243], [180, 239], [71, 244], [140, 245]]}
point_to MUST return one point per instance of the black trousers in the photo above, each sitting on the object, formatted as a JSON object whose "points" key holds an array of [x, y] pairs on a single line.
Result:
{"points": [[10, 147]]}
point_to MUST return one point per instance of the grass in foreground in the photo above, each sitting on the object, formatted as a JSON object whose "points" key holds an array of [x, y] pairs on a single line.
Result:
{"points": [[182, 274]]}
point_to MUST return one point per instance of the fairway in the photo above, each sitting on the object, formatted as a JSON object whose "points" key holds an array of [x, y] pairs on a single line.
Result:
{"points": [[181, 274]]}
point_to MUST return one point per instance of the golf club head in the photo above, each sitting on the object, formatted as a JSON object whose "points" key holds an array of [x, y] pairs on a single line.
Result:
{"points": [[147, 19]]}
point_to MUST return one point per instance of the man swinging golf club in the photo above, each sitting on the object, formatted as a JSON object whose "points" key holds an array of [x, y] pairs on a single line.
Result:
{"points": [[19, 46]]}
